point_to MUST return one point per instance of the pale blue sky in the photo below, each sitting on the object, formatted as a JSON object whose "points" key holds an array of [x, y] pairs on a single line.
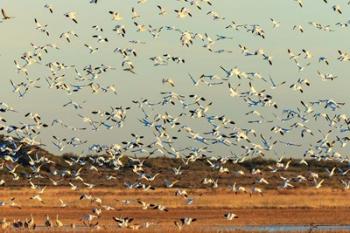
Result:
{"points": [[18, 33]]}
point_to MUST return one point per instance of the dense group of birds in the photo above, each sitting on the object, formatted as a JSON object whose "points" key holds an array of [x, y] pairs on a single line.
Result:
{"points": [[180, 125]]}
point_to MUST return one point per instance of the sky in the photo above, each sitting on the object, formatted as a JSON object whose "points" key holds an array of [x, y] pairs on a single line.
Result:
{"points": [[18, 34]]}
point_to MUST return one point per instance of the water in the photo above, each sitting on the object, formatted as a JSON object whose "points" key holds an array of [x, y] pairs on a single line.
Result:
{"points": [[286, 228]]}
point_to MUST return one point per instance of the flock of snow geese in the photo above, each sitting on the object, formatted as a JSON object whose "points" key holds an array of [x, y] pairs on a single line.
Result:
{"points": [[180, 125]]}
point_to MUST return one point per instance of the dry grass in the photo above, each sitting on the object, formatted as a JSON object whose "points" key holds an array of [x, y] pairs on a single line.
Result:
{"points": [[298, 206], [301, 207], [168, 230], [298, 198]]}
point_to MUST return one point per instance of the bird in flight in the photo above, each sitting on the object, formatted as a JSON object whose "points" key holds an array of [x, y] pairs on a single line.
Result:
{"points": [[5, 16]]}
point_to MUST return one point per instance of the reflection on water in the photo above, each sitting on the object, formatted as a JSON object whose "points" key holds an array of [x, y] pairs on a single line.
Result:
{"points": [[286, 228]]}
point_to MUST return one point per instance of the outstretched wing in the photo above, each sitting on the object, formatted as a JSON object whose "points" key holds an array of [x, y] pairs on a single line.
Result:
{"points": [[3, 13]]}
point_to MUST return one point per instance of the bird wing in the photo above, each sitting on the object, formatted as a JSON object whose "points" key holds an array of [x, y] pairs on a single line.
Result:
{"points": [[3, 13]]}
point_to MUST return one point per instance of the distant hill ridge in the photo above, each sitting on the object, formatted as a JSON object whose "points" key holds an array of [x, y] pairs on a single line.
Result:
{"points": [[97, 168]]}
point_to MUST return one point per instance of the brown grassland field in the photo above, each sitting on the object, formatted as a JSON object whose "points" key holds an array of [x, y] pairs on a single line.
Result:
{"points": [[299, 206], [303, 205]]}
